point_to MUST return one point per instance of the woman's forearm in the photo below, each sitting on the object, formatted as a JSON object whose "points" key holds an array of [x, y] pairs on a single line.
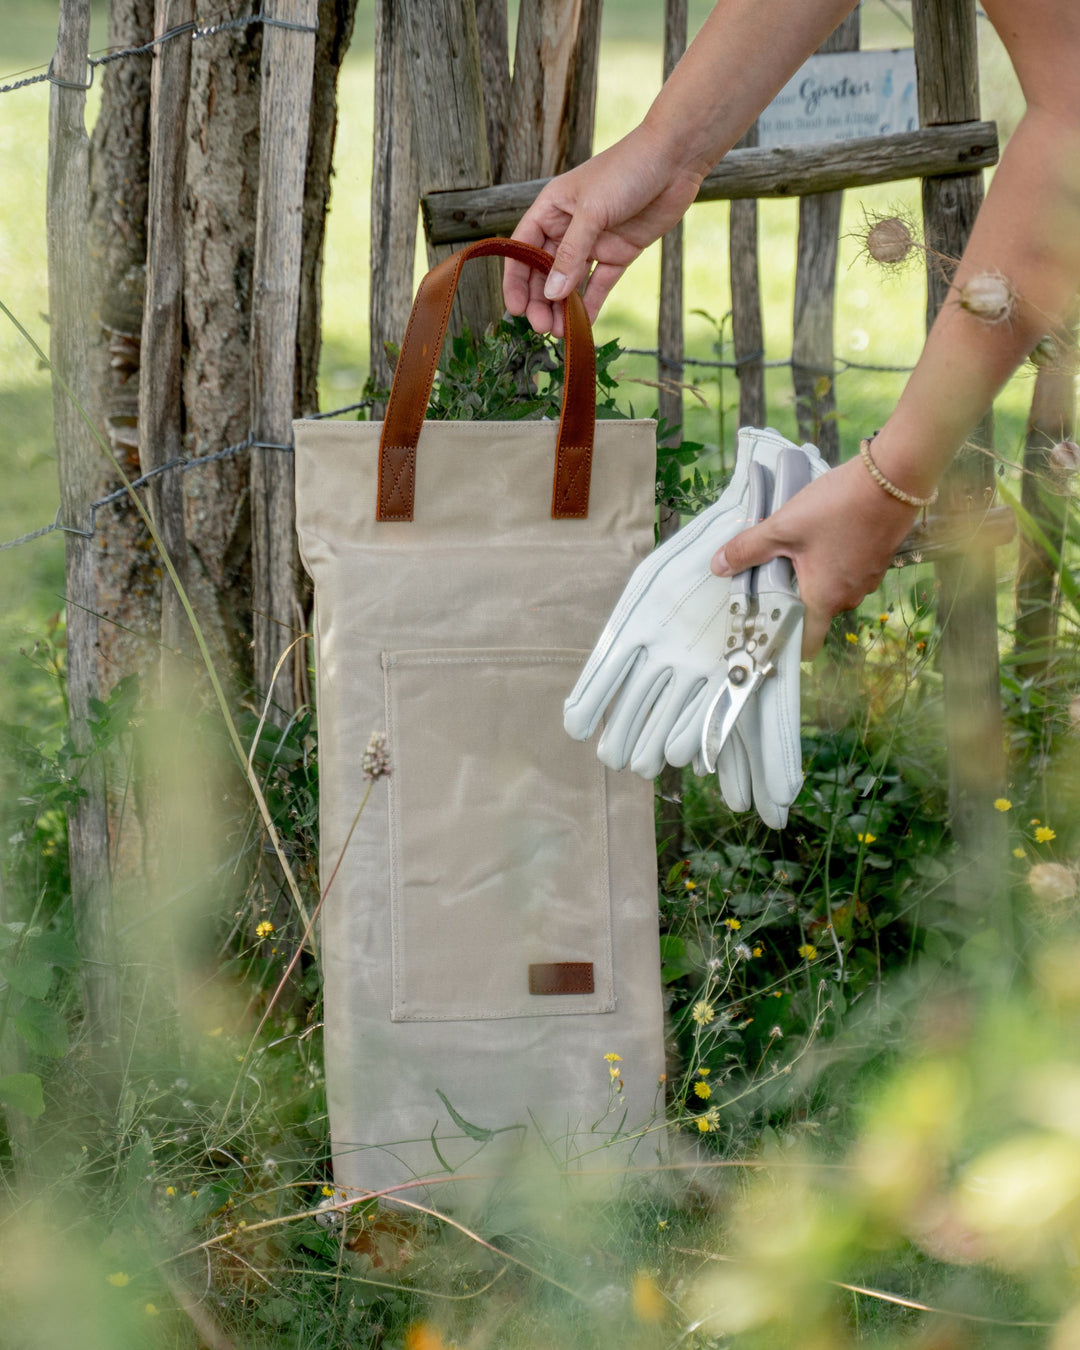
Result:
{"points": [[744, 54]]}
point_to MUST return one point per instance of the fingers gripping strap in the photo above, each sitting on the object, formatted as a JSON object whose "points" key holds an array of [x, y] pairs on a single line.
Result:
{"points": [[415, 373]]}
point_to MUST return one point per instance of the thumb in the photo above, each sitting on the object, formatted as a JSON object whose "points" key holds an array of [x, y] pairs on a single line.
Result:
{"points": [[572, 258], [750, 548]]}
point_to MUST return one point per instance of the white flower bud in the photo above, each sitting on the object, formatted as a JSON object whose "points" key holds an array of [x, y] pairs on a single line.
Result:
{"points": [[989, 296]]}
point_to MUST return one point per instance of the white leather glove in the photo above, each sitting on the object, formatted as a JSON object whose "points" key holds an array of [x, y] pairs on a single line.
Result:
{"points": [[761, 762], [659, 656]]}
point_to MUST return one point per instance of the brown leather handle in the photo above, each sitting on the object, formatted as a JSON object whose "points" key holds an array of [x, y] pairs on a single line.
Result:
{"points": [[419, 356]]}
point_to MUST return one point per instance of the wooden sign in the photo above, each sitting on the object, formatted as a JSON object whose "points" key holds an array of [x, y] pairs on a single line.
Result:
{"points": [[841, 95]]}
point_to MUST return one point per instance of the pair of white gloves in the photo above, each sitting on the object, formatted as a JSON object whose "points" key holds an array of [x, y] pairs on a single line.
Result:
{"points": [[660, 661]]}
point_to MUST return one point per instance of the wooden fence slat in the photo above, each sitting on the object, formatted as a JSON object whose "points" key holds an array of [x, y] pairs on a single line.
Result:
{"points": [[747, 325], [160, 376], [287, 66], [946, 58], [492, 28], [538, 130], [450, 132], [67, 204], [1052, 419], [815, 296], [458, 215], [670, 409], [395, 193], [583, 81]]}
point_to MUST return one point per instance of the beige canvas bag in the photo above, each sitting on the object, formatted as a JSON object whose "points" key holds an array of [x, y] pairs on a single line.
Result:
{"points": [[489, 933]]}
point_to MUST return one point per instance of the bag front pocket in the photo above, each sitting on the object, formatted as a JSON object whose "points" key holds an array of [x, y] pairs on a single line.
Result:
{"points": [[499, 880]]}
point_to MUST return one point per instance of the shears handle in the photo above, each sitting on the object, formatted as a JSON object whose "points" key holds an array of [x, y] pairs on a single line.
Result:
{"points": [[792, 475]]}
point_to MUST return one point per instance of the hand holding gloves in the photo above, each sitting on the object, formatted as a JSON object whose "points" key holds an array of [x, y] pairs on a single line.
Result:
{"points": [[660, 660]]}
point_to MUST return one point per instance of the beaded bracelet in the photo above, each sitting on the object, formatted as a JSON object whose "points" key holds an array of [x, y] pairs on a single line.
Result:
{"points": [[908, 498]]}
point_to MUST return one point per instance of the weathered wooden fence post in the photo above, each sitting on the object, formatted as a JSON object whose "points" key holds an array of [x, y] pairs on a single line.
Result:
{"points": [[670, 370], [747, 326], [88, 838], [287, 65], [812, 352], [161, 373], [395, 191], [450, 130], [948, 82], [1052, 419]]}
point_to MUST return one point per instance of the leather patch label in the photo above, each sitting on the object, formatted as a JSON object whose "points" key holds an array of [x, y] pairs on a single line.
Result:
{"points": [[561, 977]]}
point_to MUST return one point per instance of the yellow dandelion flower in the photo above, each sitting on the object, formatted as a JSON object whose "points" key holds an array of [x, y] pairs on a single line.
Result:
{"points": [[703, 1013], [883, 618], [867, 838], [703, 1090], [264, 929], [118, 1279], [647, 1301], [1019, 853], [703, 1124], [613, 1058], [170, 1190], [808, 951], [661, 1224], [151, 1311], [1002, 804], [853, 638], [777, 993], [1044, 834], [613, 1069], [733, 924], [755, 951], [1034, 821], [704, 1072], [328, 1191], [690, 884]]}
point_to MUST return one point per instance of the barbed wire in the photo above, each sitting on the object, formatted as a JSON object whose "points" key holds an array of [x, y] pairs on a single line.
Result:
{"points": [[181, 463], [195, 30]]}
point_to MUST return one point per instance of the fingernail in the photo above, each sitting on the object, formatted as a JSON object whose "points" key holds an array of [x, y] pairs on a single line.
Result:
{"points": [[555, 287], [719, 564]]}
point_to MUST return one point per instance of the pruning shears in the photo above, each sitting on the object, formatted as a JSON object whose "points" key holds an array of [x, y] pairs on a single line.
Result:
{"points": [[763, 609]]}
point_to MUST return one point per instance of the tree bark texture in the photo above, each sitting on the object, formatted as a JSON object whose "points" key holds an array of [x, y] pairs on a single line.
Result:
{"points": [[335, 19], [128, 573], [815, 296], [583, 81], [947, 66], [160, 407], [77, 458], [222, 186], [395, 193], [450, 131], [287, 67]]}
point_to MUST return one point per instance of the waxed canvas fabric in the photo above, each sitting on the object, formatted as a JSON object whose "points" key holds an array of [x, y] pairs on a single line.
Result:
{"points": [[495, 841]]}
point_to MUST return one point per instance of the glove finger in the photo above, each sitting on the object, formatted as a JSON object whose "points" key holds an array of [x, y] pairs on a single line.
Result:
{"points": [[779, 729], [734, 774], [684, 739], [597, 685], [648, 756], [632, 707], [753, 733]]}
